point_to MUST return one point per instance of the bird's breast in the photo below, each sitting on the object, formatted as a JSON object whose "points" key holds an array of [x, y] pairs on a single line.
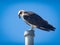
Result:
{"points": [[24, 19], [27, 22]]}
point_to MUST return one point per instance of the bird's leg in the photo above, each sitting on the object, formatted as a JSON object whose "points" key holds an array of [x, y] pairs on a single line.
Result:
{"points": [[31, 28]]}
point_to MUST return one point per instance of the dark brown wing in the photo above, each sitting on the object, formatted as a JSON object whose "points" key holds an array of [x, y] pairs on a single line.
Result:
{"points": [[35, 19]]}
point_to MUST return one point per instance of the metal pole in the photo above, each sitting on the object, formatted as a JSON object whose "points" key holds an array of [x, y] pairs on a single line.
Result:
{"points": [[29, 37]]}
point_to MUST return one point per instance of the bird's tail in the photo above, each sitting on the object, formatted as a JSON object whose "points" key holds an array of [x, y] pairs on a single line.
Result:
{"points": [[51, 27], [47, 28]]}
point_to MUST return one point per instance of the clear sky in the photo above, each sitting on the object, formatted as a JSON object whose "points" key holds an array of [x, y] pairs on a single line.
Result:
{"points": [[12, 28]]}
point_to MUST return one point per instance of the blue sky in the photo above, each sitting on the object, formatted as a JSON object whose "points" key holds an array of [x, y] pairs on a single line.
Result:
{"points": [[12, 28]]}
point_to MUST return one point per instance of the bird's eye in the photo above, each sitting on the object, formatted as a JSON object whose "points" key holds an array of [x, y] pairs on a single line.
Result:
{"points": [[20, 12]]}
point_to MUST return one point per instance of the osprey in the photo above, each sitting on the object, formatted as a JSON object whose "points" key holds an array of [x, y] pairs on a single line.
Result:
{"points": [[35, 21]]}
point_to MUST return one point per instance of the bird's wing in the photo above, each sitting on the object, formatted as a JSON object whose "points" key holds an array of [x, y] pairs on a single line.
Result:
{"points": [[39, 22], [34, 19]]}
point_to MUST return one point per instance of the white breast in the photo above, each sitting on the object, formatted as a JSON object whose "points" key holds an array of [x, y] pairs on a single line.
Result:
{"points": [[27, 22]]}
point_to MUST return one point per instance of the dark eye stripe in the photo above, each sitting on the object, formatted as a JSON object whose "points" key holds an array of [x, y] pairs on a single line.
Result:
{"points": [[20, 12]]}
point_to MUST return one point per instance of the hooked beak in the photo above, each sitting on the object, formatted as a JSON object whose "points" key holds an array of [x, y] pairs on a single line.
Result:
{"points": [[19, 16]]}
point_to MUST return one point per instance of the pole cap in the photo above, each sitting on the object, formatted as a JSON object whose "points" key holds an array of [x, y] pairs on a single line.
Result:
{"points": [[29, 33]]}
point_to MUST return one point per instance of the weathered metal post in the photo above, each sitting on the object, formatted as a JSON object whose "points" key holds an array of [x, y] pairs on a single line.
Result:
{"points": [[29, 37]]}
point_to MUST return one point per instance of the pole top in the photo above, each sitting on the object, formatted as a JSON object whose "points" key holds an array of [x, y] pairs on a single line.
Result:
{"points": [[29, 33]]}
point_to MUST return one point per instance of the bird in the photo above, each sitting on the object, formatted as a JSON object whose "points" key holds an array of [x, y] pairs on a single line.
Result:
{"points": [[35, 21]]}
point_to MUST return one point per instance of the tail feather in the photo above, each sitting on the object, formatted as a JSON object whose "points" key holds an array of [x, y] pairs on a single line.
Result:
{"points": [[47, 27], [50, 27]]}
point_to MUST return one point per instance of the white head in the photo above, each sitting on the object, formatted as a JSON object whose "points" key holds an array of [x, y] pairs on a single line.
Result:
{"points": [[20, 13]]}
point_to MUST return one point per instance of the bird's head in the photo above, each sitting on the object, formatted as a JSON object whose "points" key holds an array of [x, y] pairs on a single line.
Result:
{"points": [[21, 13]]}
